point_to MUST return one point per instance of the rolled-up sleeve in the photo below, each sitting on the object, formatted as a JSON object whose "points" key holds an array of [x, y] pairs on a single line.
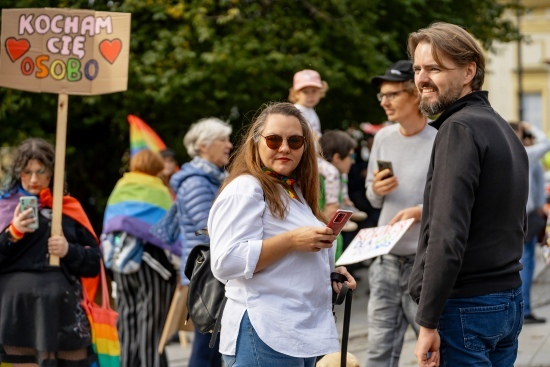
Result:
{"points": [[235, 226]]}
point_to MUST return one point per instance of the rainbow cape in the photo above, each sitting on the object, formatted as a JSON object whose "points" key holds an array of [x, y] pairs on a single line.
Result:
{"points": [[137, 202], [143, 137], [71, 208]]}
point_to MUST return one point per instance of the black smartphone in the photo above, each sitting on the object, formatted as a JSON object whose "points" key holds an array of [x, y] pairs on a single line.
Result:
{"points": [[382, 165]]}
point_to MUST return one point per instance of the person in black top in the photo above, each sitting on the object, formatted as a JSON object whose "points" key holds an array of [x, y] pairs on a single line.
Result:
{"points": [[466, 272], [41, 320]]}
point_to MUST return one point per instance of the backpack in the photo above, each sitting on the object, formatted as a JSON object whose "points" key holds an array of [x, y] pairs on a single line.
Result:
{"points": [[206, 298], [122, 252]]}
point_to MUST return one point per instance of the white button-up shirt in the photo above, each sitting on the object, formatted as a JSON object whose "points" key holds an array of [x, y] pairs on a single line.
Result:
{"points": [[288, 302]]}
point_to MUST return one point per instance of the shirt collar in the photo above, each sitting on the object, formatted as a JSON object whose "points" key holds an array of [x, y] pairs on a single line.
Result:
{"points": [[477, 98]]}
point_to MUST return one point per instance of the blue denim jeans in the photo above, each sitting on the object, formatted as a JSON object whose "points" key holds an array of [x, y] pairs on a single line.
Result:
{"points": [[481, 331], [390, 310], [528, 261], [253, 352], [201, 353]]}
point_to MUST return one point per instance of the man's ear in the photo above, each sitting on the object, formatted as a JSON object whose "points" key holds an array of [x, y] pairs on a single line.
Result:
{"points": [[336, 157], [470, 72]]}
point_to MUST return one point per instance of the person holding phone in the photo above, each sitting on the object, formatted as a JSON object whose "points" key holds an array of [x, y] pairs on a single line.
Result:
{"points": [[42, 322], [270, 245], [396, 176]]}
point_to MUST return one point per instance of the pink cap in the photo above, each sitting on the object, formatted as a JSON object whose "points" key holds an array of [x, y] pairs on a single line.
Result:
{"points": [[307, 78]]}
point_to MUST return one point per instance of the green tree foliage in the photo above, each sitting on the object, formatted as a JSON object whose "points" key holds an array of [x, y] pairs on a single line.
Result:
{"points": [[225, 58]]}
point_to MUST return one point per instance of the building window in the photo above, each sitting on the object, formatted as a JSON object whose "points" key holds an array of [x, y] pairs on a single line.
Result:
{"points": [[532, 109]]}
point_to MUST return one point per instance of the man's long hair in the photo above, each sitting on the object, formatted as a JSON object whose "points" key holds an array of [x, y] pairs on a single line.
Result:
{"points": [[454, 42]]}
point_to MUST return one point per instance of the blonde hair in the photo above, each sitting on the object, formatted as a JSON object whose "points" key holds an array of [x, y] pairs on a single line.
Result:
{"points": [[246, 160], [146, 161], [452, 41], [293, 93]]}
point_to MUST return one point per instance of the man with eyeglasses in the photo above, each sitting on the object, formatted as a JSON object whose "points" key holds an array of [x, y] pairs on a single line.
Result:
{"points": [[407, 144]]}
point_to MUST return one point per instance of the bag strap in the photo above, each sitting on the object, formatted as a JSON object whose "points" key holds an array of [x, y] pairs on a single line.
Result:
{"points": [[218, 325], [347, 294], [105, 304]]}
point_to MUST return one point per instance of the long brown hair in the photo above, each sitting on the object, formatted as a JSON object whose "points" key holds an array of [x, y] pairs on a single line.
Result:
{"points": [[246, 160]]}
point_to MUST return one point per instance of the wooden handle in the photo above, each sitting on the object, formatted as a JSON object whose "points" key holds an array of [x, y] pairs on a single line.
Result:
{"points": [[59, 170]]}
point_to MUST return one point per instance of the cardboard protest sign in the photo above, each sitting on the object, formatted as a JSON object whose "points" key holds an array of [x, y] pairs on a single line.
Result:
{"points": [[372, 242], [64, 51]]}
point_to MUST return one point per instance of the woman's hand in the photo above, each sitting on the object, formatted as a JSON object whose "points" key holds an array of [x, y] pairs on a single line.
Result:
{"points": [[302, 239], [350, 282], [311, 239], [21, 220], [58, 246]]}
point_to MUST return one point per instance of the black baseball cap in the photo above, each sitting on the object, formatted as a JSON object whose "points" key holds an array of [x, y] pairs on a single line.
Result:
{"points": [[401, 71]]}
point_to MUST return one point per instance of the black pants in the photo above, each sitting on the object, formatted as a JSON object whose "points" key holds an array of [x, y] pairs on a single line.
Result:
{"points": [[143, 300]]}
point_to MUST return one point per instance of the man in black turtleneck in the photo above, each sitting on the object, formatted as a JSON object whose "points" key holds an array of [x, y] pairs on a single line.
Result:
{"points": [[466, 273]]}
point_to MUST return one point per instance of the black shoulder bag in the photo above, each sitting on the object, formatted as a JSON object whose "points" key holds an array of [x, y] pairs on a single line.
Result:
{"points": [[206, 298]]}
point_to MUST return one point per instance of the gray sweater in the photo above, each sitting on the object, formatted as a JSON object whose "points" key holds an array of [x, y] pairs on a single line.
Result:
{"points": [[410, 157]]}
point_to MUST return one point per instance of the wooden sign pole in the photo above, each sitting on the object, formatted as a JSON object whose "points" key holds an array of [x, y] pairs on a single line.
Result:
{"points": [[59, 170]]}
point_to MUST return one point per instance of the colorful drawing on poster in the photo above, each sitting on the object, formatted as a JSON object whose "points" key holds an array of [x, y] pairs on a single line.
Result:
{"points": [[372, 242]]}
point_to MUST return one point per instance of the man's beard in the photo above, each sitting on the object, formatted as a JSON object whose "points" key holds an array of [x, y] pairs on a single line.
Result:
{"points": [[442, 103]]}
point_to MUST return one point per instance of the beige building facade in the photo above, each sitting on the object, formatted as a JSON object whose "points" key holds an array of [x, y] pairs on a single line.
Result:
{"points": [[502, 69]]}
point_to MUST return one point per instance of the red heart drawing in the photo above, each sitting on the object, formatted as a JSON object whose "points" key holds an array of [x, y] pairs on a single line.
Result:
{"points": [[110, 49], [17, 48]]}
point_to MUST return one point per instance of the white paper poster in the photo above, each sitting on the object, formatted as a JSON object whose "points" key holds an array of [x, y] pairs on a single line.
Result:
{"points": [[372, 242]]}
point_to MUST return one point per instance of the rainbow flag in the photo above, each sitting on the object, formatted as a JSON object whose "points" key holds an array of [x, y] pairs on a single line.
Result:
{"points": [[137, 202], [143, 137]]}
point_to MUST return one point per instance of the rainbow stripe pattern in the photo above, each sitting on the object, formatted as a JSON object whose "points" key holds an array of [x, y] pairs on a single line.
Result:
{"points": [[105, 337], [137, 202], [143, 137], [103, 327]]}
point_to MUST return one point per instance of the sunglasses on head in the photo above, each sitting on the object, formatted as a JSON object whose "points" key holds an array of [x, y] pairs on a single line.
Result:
{"points": [[275, 141]]}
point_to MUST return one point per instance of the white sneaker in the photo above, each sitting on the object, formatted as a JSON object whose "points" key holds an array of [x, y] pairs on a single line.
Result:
{"points": [[350, 227], [357, 215]]}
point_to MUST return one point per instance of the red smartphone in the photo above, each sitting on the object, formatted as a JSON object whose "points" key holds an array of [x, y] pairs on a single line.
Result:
{"points": [[339, 220]]}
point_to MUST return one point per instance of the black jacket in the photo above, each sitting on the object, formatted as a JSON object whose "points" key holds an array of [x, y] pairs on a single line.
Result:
{"points": [[473, 219], [31, 252]]}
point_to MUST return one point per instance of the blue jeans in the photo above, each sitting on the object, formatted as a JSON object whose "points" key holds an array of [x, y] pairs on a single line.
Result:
{"points": [[201, 354], [481, 331], [253, 352], [390, 310], [528, 261]]}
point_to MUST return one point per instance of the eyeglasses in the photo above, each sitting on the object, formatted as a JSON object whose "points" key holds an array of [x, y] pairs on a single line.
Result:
{"points": [[28, 173], [353, 156], [275, 141], [389, 96]]}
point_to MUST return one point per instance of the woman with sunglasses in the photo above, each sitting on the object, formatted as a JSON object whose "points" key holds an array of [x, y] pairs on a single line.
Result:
{"points": [[270, 245]]}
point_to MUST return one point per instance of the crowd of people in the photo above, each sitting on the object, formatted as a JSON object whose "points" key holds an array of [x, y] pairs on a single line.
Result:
{"points": [[471, 181]]}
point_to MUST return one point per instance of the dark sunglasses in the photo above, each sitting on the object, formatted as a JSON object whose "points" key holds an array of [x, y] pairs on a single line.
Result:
{"points": [[275, 141]]}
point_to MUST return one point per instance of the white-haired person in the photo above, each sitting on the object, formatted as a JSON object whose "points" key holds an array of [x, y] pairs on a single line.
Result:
{"points": [[196, 185]]}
